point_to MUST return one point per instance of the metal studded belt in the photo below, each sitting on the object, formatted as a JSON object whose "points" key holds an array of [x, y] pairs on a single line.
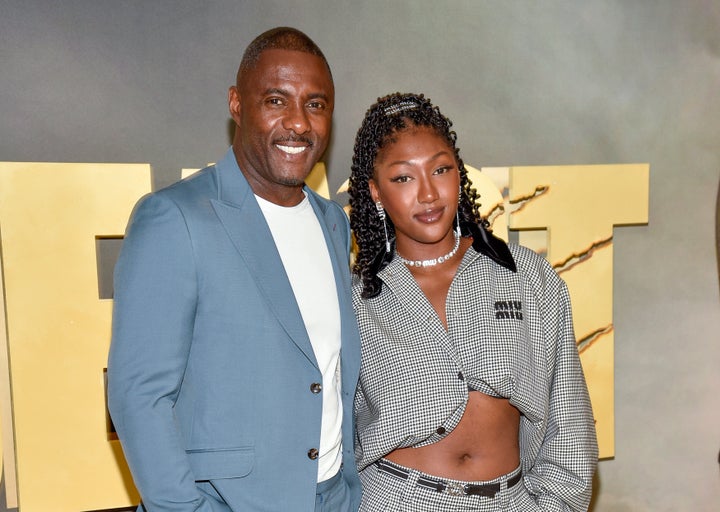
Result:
{"points": [[452, 488]]}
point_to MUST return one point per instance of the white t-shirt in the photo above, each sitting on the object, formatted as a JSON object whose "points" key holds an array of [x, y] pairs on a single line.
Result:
{"points": [[300, 241]]}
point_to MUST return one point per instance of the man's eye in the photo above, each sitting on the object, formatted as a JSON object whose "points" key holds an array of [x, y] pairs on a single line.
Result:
{"points": [[275, 101], [316, 105]]}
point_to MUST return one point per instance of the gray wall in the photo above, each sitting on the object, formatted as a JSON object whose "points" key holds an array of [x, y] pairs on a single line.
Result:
{"points": [[526, 82]]}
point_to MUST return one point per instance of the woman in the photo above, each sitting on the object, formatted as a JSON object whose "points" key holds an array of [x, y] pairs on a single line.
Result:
{"points": [[471, 393]]}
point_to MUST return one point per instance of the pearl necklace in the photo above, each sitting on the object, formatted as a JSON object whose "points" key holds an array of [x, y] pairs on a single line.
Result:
{"points": [[434, 261]]}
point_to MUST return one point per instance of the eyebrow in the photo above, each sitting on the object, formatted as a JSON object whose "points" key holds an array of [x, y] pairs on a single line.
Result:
{"points": [[408, 162], [284, 92]]}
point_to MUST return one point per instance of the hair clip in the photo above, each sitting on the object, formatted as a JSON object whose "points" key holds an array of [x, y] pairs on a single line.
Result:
{"points": [[400, 107]]}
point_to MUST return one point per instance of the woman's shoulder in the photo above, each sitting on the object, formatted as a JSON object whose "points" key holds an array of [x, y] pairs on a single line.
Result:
{"points": [[528, 260], [534, 268], [524, 261]]}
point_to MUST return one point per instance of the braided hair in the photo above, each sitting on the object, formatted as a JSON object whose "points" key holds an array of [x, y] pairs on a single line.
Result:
{"points": [[383, 120]]}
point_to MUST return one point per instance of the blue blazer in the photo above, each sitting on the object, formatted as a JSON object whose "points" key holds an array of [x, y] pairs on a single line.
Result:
{"points": [[210, 367]]}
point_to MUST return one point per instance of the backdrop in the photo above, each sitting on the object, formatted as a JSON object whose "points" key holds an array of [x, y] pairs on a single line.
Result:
{"points": [[526, 83]]}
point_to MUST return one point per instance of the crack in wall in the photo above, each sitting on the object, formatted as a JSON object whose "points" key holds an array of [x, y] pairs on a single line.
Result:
{"points": [[586, 342], [522, 201], [495, 213], [579, 257]]}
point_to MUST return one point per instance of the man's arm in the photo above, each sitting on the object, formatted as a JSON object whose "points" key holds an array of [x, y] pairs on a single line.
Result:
{"points": [[153, 312]]}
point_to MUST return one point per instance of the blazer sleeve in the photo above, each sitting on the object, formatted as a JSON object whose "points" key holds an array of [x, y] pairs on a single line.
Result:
{"points": [[153, 312], [561, 477]]}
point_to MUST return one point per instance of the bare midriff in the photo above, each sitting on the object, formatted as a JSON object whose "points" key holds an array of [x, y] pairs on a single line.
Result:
{"points": [[484, 445]]}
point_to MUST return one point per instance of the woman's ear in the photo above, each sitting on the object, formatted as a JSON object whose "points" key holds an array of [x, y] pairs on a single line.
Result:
{"points": [[373, 190]]}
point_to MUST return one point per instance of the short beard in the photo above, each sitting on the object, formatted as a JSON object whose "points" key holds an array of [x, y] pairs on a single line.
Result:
{"points": [[291, 182]]}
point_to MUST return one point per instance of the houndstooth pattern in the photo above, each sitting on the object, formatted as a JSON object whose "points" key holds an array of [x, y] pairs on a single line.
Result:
{"points": [[509, 335], [406, 496]]}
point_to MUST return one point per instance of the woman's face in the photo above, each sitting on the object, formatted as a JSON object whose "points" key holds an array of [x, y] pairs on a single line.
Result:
{"points": [[418, 181]]}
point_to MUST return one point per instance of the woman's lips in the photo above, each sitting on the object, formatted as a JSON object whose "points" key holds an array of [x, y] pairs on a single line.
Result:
{"points": [[429, 216]]}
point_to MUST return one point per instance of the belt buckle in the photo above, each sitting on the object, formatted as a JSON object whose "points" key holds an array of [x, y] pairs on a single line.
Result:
{"points": [[454, 489]]}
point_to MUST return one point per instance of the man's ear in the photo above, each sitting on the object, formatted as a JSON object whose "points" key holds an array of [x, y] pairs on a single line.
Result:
{"points": [[234, 103]]}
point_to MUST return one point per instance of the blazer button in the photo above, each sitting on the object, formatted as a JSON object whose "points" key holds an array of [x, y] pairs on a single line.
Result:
{"points": [[313, 453], [440, 430], [315, 387]]}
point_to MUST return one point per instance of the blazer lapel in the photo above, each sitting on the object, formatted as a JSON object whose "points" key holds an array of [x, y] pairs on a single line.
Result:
{"points": [[245, 224], [337, 244], [337, 237]]}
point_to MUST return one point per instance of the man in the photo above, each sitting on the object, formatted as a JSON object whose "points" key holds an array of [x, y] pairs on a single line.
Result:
{"points": [[227, 383]]}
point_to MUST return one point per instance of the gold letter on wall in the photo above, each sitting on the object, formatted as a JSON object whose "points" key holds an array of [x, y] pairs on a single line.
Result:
{"points": [[58, 330], [579, 206]]}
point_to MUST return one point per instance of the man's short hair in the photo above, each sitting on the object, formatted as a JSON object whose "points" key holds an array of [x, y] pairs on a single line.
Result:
{"points": [[279, 38]]}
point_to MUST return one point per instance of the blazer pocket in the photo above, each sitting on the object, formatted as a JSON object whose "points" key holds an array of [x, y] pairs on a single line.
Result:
{"points": [[214, 464]]}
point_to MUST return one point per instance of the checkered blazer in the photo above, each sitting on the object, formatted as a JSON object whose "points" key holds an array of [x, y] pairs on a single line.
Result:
{"points": [[510, 334]]}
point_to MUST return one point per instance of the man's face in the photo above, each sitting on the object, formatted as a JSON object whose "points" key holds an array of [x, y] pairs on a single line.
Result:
{"points": [[283, 109]]}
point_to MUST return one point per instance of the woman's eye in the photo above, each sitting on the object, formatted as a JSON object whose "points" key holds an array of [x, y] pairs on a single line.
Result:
{"points": [[400, 179]]}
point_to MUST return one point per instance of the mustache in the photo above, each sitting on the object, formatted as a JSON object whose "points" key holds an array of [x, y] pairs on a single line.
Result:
{"points": [[295, 138]]}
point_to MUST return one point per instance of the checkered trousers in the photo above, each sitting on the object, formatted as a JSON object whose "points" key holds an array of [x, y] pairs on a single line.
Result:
{"points": [[510, 335]]}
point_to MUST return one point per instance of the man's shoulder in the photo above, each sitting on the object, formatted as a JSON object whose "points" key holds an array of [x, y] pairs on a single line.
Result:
{"points": [[184, 195], [202, 181]]}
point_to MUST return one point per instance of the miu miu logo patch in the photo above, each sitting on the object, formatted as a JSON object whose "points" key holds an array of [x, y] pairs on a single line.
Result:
{"points": [[508, 309]]}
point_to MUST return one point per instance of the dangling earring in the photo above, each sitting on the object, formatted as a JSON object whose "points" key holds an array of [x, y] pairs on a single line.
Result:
{"points": [[458, 233], [381, 214]]}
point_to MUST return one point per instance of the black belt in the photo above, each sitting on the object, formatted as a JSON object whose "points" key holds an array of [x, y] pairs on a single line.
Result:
{"points": [[452, 488]]}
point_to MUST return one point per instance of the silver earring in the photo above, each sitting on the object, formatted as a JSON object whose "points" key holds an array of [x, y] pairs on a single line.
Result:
{"points": [[457, 215], [381, 214]]}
